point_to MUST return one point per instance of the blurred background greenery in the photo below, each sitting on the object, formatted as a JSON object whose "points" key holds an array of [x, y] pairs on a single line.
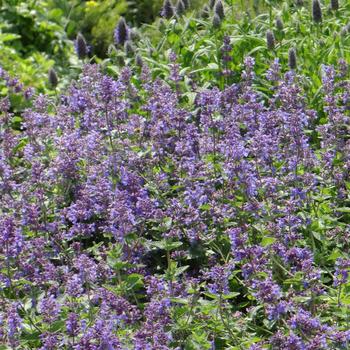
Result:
{"points": [[36, 35]]}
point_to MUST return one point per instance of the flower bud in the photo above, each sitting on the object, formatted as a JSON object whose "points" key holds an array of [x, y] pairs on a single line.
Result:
{"points": [[316, 11], [167, 10], [219, 9], [216, 21], [121, 32], [334, 5], [279, 24], [138, 60], [53, 79], [292, 59], [270, 40], [80, 46]]}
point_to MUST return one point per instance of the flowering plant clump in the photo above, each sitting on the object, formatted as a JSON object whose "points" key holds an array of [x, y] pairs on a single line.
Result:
{"points": [[141, 213]]}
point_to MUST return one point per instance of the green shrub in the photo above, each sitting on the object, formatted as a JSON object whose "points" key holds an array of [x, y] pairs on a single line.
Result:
{"points": [[198, 43]]}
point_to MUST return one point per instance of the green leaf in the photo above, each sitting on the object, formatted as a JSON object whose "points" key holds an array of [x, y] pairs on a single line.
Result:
{"points": [[231, 295], [317, 235], [166, 245], [266, 241], [8, 37], [180, 270], [134, 280], [343, 209], [182, 301], [334, 255]]}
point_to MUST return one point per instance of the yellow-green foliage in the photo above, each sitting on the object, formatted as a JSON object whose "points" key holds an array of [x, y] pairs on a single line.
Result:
{"points": [[32, 40], [100, 18]]}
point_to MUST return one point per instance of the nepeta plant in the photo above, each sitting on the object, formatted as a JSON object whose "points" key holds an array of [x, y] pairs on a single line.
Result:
{"points": [[127, 210], [151, 211]]}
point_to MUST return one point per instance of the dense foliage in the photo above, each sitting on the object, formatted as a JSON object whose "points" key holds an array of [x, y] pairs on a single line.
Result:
{"points": [[191, 192], [197, 39], [33, 39]]}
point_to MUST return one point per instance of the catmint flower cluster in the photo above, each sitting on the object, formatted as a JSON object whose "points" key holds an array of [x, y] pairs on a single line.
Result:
{"points": [[133, 212], [342, 269]]}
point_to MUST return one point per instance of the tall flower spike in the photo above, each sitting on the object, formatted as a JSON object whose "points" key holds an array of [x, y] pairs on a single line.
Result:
{"points": [[138, 60], [279, 24], [219, 9], [80, 46], [270, 40], [180, 7], [212, 3], [334, 5], [53, 80], [292, 59], [216, 21], [167, 10], [121, 32], [316, 11]]}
